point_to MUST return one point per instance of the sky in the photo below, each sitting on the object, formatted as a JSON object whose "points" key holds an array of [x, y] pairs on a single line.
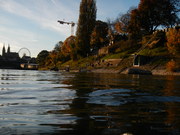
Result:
{"points": [[33, 23]]}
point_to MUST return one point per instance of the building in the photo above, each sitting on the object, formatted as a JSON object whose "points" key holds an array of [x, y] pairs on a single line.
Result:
{"points": [[9, 60], [9, 56]]}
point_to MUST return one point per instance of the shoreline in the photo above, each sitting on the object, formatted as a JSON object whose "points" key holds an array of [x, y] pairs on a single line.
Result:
{"points": [[162, 72], [157, 66], [154, 72]]}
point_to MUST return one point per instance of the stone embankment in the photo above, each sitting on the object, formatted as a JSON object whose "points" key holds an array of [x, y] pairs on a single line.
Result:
{"points": [[136, 71], [123, 66]]}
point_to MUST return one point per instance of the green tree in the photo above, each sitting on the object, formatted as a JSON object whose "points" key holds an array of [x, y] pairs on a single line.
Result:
{"points": [[41, 57], [86, 23], [58, 46]]}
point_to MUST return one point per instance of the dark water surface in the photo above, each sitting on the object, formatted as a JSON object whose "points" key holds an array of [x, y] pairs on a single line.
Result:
{"points": [[45, 103]]}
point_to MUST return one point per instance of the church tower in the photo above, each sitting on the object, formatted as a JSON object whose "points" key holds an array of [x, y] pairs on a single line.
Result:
{"points": [[8, 50], [3, 51]]}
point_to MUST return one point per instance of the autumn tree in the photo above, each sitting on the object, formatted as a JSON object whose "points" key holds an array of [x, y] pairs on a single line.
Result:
{"points": [[68, 48], [99, 34], [52, 60], [151, 14], [134, 27], [173, 41], [122, 22], [86, 23]]}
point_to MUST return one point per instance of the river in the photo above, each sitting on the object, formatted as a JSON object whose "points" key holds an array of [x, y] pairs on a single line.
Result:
{"points": [[62, 103]]}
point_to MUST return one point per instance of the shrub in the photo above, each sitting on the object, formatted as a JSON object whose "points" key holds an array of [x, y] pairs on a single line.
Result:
{"points": [[173, 41], [171, 66], [123, 45], [155, 40], [145, 39]]}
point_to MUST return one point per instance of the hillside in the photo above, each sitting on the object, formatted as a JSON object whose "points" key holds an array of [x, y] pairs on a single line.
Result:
{"points": [[152, 52]]}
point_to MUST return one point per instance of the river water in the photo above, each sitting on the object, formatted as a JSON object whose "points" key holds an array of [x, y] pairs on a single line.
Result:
{"points": [[57, 103]]}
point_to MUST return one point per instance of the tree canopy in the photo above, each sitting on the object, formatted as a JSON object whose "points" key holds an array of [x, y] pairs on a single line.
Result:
{"points": [[58, 46], [151, 14], [41, 57], [173, 41], [122, 22], [99, 34], [67, 46], [86, 23]]}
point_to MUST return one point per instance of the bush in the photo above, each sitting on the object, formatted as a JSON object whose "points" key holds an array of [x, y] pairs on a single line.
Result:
{"points": [[159, 51], [123, 46], [155, 40], [171, 66], [173, 41], [145, 39]]}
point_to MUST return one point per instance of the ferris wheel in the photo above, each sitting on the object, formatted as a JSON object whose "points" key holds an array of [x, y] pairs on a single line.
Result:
{"points": [[24, 52]]}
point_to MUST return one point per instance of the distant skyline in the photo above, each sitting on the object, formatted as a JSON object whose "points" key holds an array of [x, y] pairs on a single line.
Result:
{"points": [[33, 23]]}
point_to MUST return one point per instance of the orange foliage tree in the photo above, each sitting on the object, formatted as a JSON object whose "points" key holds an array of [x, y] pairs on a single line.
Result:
{"points": [[151, 14], [171, 66], [122, 22], [52, 59], [66, 48], [173, 41]]}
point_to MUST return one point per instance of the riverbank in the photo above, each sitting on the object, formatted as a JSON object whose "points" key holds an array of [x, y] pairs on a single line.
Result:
{"points": [[154, 72], [120, 66], [130, 70]]}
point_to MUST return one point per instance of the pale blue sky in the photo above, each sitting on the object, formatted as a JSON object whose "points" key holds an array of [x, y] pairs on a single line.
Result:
{"points": [[33, 23]]}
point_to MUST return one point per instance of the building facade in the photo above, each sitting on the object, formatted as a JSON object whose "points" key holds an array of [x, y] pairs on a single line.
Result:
{"points": [[9, 59], [9, 56]]}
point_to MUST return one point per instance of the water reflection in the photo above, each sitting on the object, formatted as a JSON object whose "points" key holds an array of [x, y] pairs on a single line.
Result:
{"points": [[173, 110], [44, 102], [121, 104]]}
